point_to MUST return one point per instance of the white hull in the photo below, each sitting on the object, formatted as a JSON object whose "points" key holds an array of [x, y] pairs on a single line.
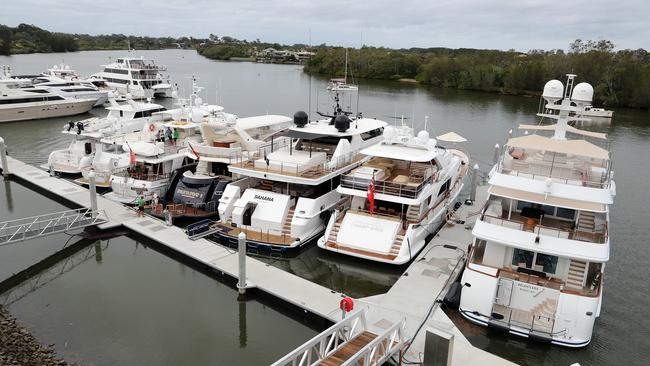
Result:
{"points": [[592, 113], [126, 190], [42, 110]]}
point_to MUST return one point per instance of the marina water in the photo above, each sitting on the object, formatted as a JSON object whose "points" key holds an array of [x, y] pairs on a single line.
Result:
{"points": [[139, 306]]}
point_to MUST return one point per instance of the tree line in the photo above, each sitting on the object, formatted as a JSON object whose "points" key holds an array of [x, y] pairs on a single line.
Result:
{"points": [[27, 38], [620, 78]]}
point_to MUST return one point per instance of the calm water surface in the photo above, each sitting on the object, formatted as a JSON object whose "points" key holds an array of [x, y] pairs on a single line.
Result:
{"points": [[622, 333]]}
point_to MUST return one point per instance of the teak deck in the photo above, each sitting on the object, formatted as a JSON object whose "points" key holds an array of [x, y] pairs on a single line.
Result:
{"points": [[349, 349]]}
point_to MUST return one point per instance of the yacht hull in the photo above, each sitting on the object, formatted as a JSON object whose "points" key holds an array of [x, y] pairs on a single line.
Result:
{"points": [[42, 110]]}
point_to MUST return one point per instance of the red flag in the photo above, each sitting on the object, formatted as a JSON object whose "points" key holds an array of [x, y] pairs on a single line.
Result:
{"points": [[194, 152], [131, 154], [371, 194]]}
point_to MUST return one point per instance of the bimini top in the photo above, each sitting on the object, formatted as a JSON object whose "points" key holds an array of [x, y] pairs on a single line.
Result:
{"points": [[571, 147], [400, 144]]}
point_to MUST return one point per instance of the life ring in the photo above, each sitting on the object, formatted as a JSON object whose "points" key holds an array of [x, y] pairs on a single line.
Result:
{"points": [[152, 127], [346, 304]]}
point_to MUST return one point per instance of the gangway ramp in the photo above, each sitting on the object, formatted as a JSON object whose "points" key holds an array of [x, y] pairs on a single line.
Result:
{"points": [[14, 231], [346, 343]]}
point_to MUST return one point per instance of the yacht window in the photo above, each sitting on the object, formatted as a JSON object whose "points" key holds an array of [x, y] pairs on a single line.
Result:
{"points": [[135, 82], [373, 133], [445, 187], [523, 204], [566, 213], [37, 91], [522, 258], [547, 262]]}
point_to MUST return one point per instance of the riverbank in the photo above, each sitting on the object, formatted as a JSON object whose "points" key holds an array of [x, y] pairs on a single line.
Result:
{"points": [[19, 347]]}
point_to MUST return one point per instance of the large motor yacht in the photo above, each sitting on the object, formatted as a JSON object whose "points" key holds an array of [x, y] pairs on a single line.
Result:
{"points": [[541, 242], [197, 194], [413, 180], [121, 119], [20, 104], [288, 188], [152, 163], [139, 77]]}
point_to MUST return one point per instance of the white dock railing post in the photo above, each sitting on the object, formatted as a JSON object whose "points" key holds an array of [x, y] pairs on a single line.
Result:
{"points": [[93, 193], [241, 284], [472, 195], [3, 157], [496, 154]]}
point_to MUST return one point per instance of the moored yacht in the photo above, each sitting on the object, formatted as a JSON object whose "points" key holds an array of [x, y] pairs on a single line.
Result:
{"points": [[541, 242], [398, 197], [152, 162], [29, 103], [139, 77], [121, 119], [197, 194], [287, 188]]}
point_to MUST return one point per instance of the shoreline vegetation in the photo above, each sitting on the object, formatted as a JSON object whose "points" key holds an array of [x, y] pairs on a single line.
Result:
{"points": [[26, 38], [621, 78]]}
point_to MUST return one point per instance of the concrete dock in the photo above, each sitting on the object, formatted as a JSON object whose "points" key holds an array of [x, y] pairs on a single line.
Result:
{"points": [[411, 297]]}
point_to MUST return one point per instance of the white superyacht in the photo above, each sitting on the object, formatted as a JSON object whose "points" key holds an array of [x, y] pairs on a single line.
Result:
{"points": [[413, 182], [288, 188], [541, 243]]}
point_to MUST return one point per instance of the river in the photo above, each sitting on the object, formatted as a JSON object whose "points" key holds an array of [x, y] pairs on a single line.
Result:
{"points": [[621, 333]]}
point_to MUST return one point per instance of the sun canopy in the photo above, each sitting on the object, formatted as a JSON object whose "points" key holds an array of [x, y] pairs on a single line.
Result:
{"points": [[571, 129], [546, 200], [451, 137], [573, 147]]}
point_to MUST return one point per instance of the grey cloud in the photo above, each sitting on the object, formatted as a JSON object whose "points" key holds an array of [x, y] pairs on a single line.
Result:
{"points": [[522, 24]]}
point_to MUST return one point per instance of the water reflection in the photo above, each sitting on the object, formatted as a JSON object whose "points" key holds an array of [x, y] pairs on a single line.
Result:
{"points": [[9, 200], [243, 332]]}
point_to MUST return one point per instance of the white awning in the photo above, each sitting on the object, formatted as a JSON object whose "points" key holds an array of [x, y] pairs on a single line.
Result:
{"points": [[451, 137], [571, 129], [572, 147], [546, 200]]}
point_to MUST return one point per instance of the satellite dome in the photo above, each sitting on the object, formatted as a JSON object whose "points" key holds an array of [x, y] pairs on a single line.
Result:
{"points": [[342, 123], [389, 132], [423, 137], [553, 91], [300, 118], [582, 92]]}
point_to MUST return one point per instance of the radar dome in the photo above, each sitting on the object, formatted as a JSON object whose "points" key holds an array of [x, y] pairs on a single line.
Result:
{"points": [[389, 132], [553, 91], [300, 118], [342, 123], [423, 137], [582, 92]]}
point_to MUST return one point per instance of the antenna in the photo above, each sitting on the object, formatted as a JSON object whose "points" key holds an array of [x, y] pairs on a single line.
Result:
{"points": [[426, 120]]}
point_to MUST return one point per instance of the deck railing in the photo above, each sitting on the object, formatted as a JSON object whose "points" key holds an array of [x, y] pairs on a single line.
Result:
{"points": [[383, 187], [598, 237]]}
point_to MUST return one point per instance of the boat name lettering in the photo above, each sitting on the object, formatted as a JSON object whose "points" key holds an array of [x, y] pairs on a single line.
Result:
{"points": [[186, 193], [263, 198]]}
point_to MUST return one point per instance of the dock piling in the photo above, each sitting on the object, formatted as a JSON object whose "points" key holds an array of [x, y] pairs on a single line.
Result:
{"points": [[3, 157], [241, 284], [475, 173], [92, 188], [496, 154]]}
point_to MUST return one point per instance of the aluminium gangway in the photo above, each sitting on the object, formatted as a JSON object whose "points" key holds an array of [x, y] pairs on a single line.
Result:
{"points": [[347, 343], [13, 231]]}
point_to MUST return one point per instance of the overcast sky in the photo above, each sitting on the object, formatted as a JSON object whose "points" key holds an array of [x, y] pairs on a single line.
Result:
{"points": [[500, 24]]}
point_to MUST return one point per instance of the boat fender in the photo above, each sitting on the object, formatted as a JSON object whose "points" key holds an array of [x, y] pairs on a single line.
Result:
{"points": [[452, 298], [346, 304], [152, 127]]}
